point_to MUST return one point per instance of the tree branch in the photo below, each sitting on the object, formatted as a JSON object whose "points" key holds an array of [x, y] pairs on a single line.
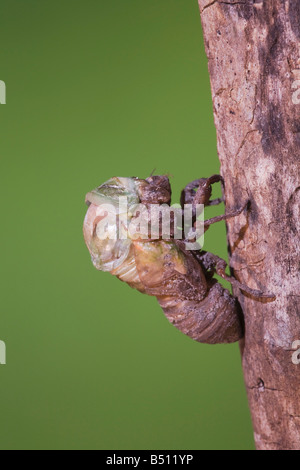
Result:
{"points": [[254, 66]]}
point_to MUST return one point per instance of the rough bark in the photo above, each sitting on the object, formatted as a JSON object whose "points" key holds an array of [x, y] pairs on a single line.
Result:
{"points": [[254, 63]]}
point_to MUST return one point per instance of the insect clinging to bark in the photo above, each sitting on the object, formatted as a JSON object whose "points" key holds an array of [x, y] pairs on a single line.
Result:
{"points": [[182, 280]]}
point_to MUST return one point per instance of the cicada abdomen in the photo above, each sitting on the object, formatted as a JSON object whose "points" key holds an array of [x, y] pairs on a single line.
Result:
{"points": [[200, 308], [192, 301], [216, 319]]}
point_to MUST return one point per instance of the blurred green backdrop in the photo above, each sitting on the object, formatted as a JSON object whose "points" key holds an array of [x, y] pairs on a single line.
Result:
{"points": [[98, 88]]}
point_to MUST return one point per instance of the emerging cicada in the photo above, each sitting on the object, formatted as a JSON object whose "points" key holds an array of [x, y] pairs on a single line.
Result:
{"points": [[182, 280]]}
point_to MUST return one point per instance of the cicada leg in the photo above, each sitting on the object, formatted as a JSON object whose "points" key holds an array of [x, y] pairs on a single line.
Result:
{"points": [[203, 194], [218, 265], [220, 218]]}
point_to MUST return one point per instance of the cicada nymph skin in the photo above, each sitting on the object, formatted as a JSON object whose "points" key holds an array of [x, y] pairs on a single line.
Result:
{"points": [[192, 300], [216, 320], [199, 307]]}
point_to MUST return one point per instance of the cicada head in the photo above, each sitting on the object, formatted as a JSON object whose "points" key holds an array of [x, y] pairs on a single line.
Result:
{"points": [[155, 190], [111, 208]]}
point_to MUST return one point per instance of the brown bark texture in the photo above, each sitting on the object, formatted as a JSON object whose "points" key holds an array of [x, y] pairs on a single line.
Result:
{"points": [[253, 50]]}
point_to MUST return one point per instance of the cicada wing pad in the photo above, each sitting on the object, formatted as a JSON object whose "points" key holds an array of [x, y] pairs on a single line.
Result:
{"points": [[164, 270]]}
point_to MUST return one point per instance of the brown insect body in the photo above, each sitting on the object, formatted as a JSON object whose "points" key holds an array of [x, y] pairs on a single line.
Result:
{"points": [[195, 304], [192, 300]]}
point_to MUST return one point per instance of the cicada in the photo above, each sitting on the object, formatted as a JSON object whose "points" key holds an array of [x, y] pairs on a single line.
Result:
{"points": [[182, 280]]}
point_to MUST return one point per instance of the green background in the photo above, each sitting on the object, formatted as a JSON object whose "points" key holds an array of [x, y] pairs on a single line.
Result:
{"points": [[94, 89]]}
